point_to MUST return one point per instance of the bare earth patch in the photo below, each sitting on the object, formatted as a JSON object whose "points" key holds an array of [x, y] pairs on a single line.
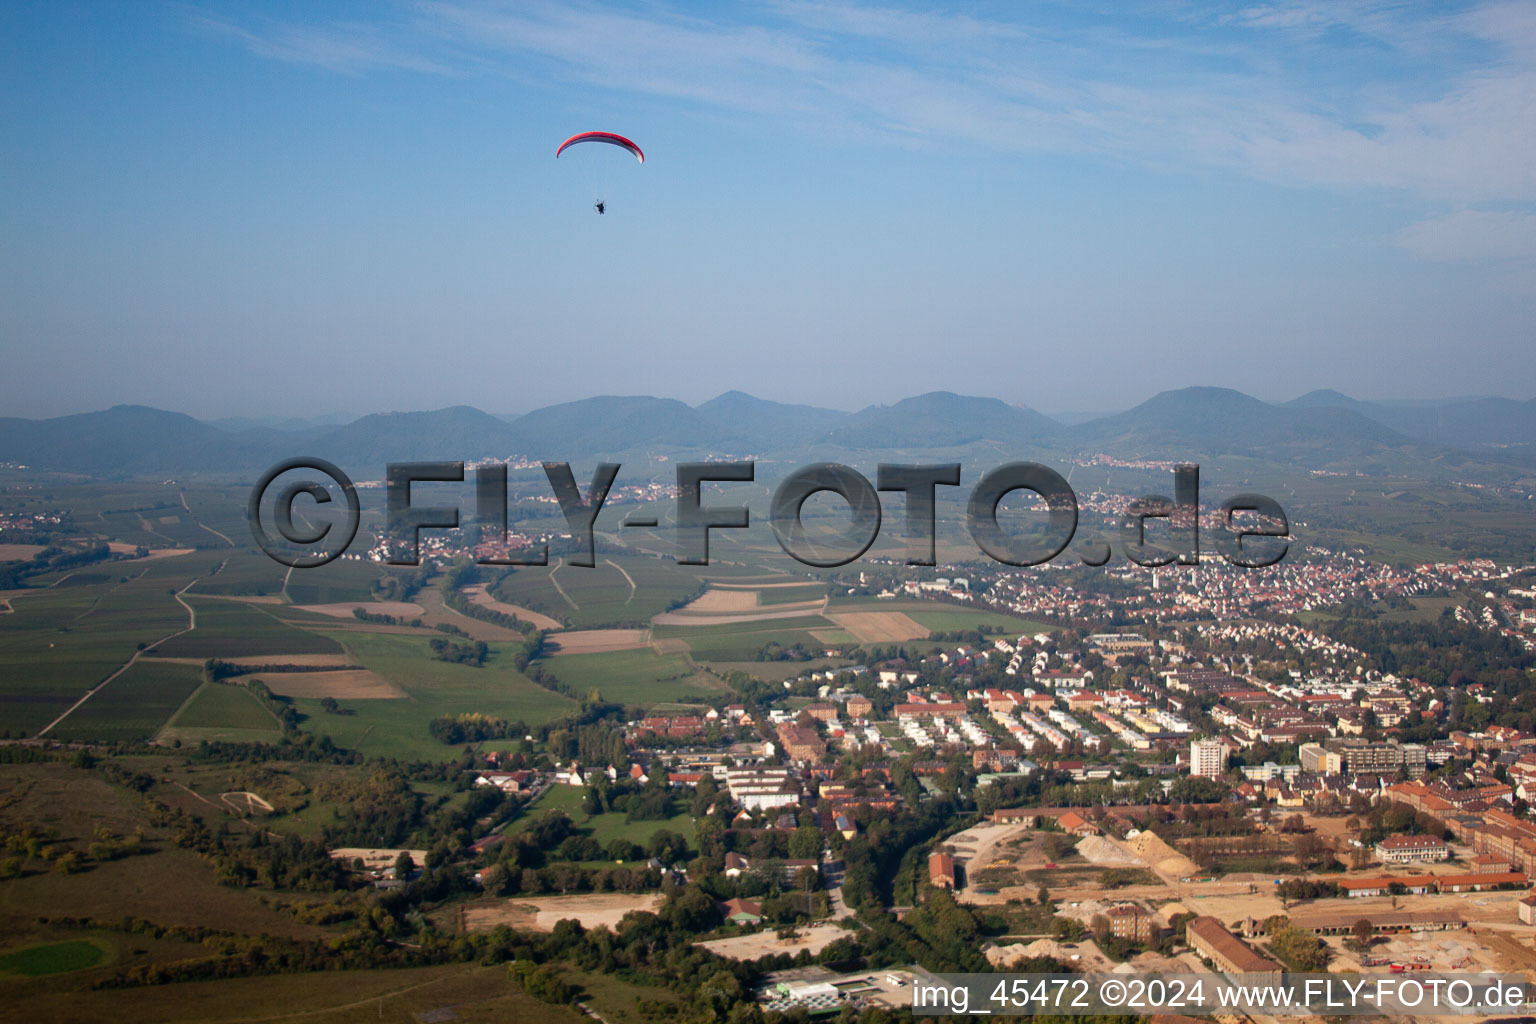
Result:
{"points": [[343, 610], [713, 600], [21, 552], [374, 859], [119, 548], [814, 938], [477, 595], [346, 684], [596, 641], [878, 627], [542, 913]]}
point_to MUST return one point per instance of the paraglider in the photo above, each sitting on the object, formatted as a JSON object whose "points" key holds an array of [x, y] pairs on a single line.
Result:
{"points": [[608, 138]]}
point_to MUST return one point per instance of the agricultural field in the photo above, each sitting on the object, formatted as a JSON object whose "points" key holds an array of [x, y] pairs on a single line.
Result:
{"points": [[220, 711], [233, 628], [59, 641], [134, 706], [784, 594], [741, 641], [634, 677], [398, 728], [621, 590], [943, 617]]}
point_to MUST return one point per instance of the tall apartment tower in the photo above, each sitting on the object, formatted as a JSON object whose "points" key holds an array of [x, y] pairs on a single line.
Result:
{"points": [[1207, 758]]}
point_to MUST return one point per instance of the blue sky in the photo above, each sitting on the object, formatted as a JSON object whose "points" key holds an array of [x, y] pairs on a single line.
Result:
{"points": [[301, 209]]}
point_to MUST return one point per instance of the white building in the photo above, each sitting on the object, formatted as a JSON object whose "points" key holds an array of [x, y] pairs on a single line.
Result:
{"points": [[1207, 758]]}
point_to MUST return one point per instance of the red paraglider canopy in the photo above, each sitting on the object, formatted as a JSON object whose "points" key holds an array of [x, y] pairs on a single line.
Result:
{"points": [[608, 137]]}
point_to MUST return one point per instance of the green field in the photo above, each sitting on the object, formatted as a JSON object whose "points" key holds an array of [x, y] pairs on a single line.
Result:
{"points": [[604, 828], [59, 642], [633, 677], [221, 711], [229, 629], [134, 705], [942, 617], [789, 595], [602, 595], [398, 728], [53, 958], [741, 641]]}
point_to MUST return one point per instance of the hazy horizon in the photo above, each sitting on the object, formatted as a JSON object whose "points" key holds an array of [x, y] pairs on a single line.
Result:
{"points": [[284, 212]]}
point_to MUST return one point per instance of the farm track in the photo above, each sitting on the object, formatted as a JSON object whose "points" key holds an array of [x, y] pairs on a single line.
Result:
{"points": [[627, 579], [191, 625], [216, 533], [558, 588]]}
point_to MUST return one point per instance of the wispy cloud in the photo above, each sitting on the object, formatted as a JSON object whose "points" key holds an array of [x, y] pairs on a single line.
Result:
{"points": [[1442, 108]]}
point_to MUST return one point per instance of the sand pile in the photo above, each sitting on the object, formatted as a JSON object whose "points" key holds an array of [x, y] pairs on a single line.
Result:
{"points": [[1163, 858], [1105, 851]]}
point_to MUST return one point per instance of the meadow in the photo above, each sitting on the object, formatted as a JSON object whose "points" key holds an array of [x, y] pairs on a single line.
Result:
{"points": [[640, 676]]}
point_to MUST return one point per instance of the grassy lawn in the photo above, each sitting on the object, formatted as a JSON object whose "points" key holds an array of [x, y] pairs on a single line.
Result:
{"points": [[604, 828]]}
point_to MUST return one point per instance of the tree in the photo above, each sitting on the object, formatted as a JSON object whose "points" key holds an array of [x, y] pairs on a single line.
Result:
{"points": [[404, 865], [1099, 926], [1043, 897], [329, 705], [1363, 930]]}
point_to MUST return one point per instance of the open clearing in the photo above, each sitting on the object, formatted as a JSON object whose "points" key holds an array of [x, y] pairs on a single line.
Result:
{"points": [[345, 684], [343, 609], [880, 627], [477, 595], [375, 859], [542, 913], [596, 641], [813, 939]]}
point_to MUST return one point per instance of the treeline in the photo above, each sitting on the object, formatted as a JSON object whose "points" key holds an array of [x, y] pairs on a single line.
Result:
{"points": [[216, 670], [279, 705], [13, 576], [463, 574], [379, 619], [475, 727]]}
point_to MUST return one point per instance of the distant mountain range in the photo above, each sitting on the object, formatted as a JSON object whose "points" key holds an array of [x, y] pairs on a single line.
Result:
{"points": [[1193, 423]]}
